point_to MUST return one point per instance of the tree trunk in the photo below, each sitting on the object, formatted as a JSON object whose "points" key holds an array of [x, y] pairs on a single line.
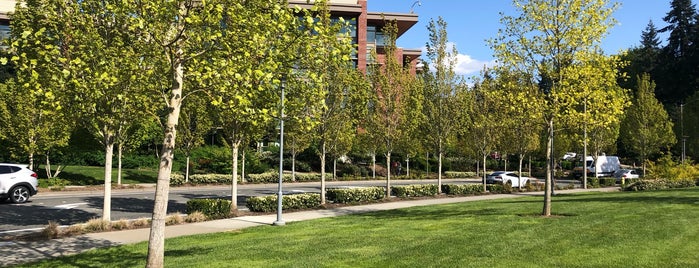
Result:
{"points": [[242, 168], [322, 172], [407, 167], [334, 168], [521, 159], [373, 162], [156, 241], [48, 166], [388, 175], [186, 173], [439, 174], [109, 154], [485, 173], [234, 180], [293, 165], [547, 185], [120, 150], [31, 161]]}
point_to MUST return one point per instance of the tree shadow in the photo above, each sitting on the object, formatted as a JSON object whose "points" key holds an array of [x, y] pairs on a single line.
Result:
{"points": [[28, 215], [134, 205], [22, 252]]}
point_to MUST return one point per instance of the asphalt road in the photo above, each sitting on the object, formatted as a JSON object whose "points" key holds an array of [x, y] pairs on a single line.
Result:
{"points": [[71, 207]]}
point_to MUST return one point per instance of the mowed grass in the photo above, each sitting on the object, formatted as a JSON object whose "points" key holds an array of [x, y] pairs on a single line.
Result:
{"points": [[622, 229], [91, 175]]}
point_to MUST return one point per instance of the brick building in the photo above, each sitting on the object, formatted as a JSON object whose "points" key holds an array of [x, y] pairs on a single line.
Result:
{"points": [[367, 33]]}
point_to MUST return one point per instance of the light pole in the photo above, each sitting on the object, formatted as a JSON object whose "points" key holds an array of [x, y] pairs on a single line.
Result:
{"points": [[280, 194]]}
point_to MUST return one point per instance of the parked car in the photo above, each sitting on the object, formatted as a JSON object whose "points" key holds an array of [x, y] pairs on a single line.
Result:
{"points": [[625, 174], [17, 182], [569, 156], [504, 177]]}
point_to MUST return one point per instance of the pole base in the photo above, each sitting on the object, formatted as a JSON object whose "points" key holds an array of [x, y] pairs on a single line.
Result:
{"points": [[279, 223]]}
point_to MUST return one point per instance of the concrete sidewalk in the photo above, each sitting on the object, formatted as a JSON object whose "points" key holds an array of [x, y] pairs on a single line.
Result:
{"points": [[17, 252]]}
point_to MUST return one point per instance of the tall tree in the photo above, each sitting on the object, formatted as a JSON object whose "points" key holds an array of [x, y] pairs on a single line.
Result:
{"points": [[442, 88], [195, 123], [554, 39], [483, 131], [177, 36], [642, 59], [108, 77], [395, 90], [647, 128], [679, 70], [520, 115], [38, 47]]}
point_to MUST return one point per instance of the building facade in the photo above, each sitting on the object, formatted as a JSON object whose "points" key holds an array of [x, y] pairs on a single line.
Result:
{"points": [[367, 32]]}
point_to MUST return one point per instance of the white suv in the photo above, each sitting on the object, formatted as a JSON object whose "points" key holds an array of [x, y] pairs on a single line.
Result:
{"points": [[17, 182]]}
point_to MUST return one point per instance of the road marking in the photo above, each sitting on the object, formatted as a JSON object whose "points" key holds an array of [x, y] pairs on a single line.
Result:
{"points": [[22, 230], [70, 206]]}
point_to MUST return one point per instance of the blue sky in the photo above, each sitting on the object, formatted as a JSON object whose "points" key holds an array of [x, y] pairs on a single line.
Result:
{"points": [[471, 22]]}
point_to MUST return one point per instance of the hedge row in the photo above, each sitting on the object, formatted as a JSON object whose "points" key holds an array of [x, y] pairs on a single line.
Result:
{"points": [[459, 174], [267, 177], [414, 190], [273, 177], [355, 195], [660, 184], [462, 189], [212, 208], [269, 203]]}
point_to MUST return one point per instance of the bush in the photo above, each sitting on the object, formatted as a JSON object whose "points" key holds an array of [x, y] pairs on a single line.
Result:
{"points": [[414, 190], [269, 203], [651, 185], [355, 195], [212, 208], [96, 225], [53, 183], [666, 168], [462, 189], [195, 216], [499, 188], [457, 174]]}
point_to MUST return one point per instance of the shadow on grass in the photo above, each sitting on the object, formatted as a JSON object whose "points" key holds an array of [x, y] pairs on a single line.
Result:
{"points": [[688, 196], [138, 177], [23, 252]]}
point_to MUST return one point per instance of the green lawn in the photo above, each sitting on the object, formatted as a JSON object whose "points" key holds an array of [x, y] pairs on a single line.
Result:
{"points": [[623, 229], [89, 175]]}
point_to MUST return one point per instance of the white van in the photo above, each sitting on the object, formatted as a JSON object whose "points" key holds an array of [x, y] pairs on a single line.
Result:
{"points": [[605, 166]]}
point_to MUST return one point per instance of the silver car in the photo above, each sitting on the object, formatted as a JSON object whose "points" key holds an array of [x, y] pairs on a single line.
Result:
{"points": [[17, 182], [625, 174]]}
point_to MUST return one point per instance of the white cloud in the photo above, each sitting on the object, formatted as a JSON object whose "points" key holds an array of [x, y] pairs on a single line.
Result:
{"points": [[466, 65]]}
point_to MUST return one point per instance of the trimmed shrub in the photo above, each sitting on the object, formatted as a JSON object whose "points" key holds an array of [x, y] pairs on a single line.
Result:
{"points": [[414, 190], [212, 208], [356, 195], [462, 189], [269, 203], [499, 188], [457, 174], [651, 185]]}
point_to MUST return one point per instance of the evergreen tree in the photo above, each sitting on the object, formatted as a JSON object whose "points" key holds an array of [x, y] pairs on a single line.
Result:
{"points": [[646, 129], [677, 77]]}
